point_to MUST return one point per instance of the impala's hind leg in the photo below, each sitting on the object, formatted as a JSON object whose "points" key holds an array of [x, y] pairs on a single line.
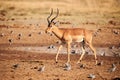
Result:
{"points": [[88, 39], [94, 51]]}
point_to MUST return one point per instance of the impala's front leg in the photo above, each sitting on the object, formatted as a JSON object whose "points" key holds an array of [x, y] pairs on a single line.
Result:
{"points": [[58, 53], [68, 51]]}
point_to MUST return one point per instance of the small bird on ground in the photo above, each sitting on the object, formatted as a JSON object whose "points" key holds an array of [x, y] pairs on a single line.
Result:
{"points": [[15, 66], [51, 47], [92, 76], [10, 41], [113, 68], [82, 66], [41, 69], [67, 67], [100, 63]]}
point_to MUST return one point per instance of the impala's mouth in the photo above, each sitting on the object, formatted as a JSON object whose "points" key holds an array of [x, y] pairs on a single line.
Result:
{"points": [[49, 33], [46, 31]]}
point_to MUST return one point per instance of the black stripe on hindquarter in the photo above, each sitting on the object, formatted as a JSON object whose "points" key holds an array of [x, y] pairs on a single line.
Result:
{"points": [[83, 44]]}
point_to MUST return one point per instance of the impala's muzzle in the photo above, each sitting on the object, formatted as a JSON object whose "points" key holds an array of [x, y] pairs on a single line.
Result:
{"points": [[48, 30]]}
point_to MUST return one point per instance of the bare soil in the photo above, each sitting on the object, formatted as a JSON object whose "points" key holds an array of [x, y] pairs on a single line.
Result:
{"points": [[29, 64], [24, 26]]}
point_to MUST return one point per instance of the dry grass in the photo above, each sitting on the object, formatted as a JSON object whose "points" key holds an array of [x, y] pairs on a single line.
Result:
{"points": [[75, 11]]}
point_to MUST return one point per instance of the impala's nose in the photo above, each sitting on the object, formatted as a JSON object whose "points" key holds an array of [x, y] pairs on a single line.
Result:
{"points": [[46, 31]]}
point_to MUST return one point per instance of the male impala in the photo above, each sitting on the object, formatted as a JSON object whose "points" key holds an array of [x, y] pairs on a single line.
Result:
{"points": [[69, 35]]}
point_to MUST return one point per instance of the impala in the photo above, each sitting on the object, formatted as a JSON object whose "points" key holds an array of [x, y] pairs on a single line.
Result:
{"points": [[69, 35]]}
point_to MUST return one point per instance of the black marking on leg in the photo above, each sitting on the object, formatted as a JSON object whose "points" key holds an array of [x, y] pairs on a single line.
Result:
{"points": [[83, 43]]}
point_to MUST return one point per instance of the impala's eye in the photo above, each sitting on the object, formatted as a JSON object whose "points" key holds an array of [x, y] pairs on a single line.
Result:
{"points": [[54, 22]]}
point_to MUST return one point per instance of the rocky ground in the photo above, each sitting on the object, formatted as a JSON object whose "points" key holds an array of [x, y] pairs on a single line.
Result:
{"points": [[28, 53]]}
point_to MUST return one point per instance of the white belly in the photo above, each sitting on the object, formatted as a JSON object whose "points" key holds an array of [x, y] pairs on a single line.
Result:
{"points": [[77, 38]]}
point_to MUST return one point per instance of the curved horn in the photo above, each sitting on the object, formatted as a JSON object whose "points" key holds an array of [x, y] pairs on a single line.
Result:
{"points": [[50, 16], [56, 15]]}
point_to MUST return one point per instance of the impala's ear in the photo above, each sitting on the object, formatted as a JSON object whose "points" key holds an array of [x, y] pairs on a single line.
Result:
{"points": [[57, 23]]}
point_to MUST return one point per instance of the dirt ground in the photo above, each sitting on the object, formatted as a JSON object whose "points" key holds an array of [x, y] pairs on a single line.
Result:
{"points": [[24, 27], [28, 65]]}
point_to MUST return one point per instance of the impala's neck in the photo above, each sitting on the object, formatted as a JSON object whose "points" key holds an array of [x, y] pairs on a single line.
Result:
{"points": [[58, 32]]}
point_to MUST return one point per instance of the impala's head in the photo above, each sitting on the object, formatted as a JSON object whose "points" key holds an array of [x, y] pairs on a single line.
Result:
{"points": [[51, 23]]}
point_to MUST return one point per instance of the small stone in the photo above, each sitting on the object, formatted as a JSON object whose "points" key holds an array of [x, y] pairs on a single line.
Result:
{"points": [[12, 19], [82, 66], [92, 76], [51, 34], [25, 18], [102, 53], [15, 66], [36, 67], [117, 78], [39, 33], [115, 32], [30, 79], [100, 63], [10, 40], [20, 35], [112, 47], [19, 38], [115, 54], [113, 68], [56, 79], [59, 42], [112, 22], [30, 35], [67, 67], [51, 47], [99, 30], [2, 34], [37, 24], [113, 65], [41, 69], [11, 32], [87, 52], [12, 76], [73, 51]]}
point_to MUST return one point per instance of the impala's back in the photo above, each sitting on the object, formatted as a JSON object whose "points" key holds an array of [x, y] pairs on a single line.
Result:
{"points": [[75, 34]]}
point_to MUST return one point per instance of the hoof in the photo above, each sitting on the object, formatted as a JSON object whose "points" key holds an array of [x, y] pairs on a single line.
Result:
{"points": [[68, 61], [79, 62], [96, 63]]}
